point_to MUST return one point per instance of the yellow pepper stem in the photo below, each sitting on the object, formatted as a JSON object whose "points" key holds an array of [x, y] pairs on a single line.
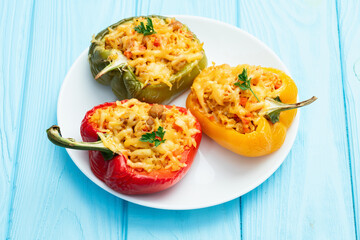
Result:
{"points": [[274, 107]]}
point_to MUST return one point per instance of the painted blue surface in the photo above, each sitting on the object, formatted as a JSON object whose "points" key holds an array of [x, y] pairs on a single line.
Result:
{"points": [[314, 195]]}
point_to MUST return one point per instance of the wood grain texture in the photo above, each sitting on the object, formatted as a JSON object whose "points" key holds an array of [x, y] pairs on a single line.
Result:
{"points": [[310, 196], [220, 222], [216, 9], [15, 33], [314, 195], [53, 199], [349, 36]]}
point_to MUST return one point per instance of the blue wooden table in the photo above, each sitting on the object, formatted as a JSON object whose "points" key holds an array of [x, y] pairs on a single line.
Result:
{"points": [[315, 194]]}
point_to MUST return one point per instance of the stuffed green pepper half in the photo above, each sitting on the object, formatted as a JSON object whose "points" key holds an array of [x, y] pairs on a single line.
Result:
{"points": [[151, 58]]}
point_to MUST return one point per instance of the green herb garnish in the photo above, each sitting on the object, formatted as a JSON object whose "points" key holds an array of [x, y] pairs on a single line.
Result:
{"points": [[148, 30], [244, 83], [156, 137]]}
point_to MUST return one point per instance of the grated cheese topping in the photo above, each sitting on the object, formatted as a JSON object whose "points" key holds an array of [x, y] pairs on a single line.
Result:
{"points": [[155, 58], [123, 125], [223, 102]]}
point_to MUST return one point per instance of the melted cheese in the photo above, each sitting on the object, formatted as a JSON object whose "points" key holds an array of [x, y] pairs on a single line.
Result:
{"points": [[155, 58], [226, 103], [123, 125]]}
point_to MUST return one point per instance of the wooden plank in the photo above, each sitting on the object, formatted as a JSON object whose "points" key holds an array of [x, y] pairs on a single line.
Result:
{"points": [[15, 34], [310, 196], [224, 11], [220, 222], [53, 199], [349, 31]]}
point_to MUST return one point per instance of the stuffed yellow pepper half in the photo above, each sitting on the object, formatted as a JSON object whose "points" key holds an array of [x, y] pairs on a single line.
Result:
{"points": [[246, 109]]}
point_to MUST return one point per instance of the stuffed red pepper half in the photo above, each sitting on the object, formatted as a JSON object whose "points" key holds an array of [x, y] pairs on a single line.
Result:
{"points": [[136, 147]]}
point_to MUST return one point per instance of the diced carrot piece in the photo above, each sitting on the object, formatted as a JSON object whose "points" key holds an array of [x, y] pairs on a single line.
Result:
{"points": [[212, 118], [177, 152], [157, 42], [243, 101], [248, 115], [128, 54], [245, 121], [177, 128], [278, 84]]}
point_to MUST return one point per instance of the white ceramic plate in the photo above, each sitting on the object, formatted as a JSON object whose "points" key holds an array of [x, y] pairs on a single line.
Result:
{"points": [[217, 175]]}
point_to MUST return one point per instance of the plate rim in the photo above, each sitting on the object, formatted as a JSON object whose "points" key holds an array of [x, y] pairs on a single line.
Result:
{"points": [[141, 202]]}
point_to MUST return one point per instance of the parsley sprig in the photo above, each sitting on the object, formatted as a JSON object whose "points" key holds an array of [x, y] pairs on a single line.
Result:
{"points": [[148, 30], [156, 137], [244, 83]]}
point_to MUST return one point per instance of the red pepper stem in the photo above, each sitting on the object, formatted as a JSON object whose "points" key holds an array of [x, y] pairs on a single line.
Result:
{"points": [[55, 137]]}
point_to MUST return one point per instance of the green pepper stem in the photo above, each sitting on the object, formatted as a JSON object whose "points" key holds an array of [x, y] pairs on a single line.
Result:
{"points": [[55, 137], [120, 61]]}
